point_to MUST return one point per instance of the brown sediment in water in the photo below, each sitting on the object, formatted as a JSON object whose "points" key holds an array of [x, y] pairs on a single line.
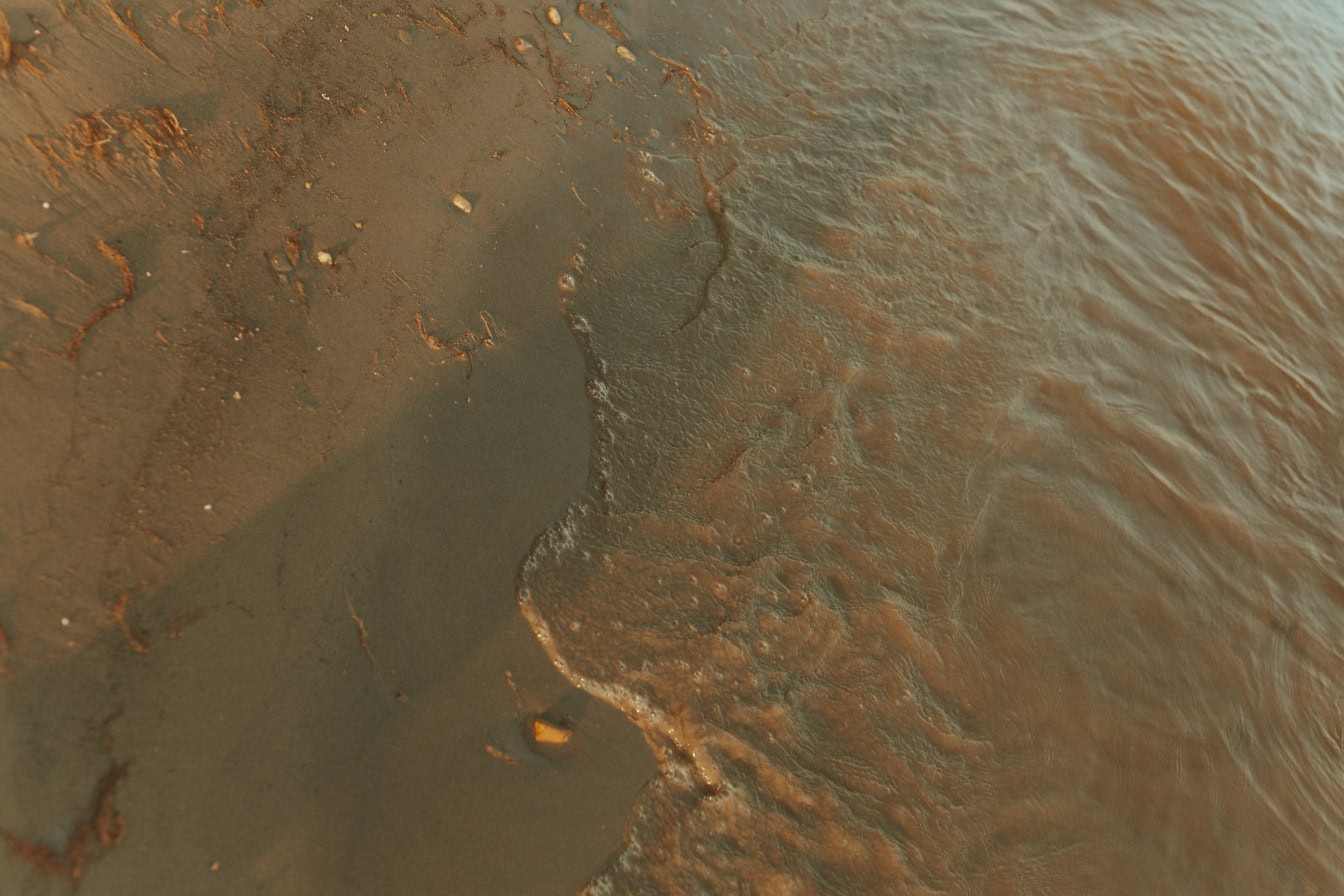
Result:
{"points": [[920, 573], [283, 422]]}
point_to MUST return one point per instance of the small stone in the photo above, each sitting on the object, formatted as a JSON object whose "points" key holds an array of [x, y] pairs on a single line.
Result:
{"points": [[553, 15], [522, 44], [461, 203], [324, 257], [624, 53]]}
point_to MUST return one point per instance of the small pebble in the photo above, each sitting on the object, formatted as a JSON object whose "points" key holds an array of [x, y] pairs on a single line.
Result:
{"points": [[624, 53], [461, 203], [522, 44], [553, 15], [324, 257]]}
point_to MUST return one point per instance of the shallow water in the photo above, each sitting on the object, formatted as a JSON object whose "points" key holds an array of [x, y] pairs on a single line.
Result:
{"points": [[965, 504]]}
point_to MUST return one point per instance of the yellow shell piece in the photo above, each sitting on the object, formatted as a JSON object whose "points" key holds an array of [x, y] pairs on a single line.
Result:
{"points": [[544, 732]]}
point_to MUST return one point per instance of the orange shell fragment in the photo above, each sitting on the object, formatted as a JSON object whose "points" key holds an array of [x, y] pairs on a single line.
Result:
{"points": [[499, 754], [544, 732]]}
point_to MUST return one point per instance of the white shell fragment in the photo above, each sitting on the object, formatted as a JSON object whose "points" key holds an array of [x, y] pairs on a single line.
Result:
{"points": [[461, 203], [624, 53], [324, 257], [553, 15]]}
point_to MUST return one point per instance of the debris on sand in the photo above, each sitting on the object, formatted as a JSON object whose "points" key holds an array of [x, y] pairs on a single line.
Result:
{"points": [[127, 292], [18, 53], [496, 753], [126, 22], [6, 45], [602, 17], [102, 829], [131, 143]]}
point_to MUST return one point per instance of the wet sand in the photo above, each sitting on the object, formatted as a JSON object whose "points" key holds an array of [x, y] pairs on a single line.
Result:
{"points": [[281, 420]]}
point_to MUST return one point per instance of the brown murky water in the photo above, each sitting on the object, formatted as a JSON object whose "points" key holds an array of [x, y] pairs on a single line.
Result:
{"points": [[964, 491], [979, 531]]}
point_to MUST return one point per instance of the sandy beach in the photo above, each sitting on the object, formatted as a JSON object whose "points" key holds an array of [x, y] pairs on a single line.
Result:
{"points": [[286, 393]]}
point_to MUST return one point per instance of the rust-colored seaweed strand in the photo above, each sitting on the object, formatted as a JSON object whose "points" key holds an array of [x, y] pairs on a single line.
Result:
{"points": [[449, 20], [28, 241], [133, 640], [6, 44], [17, 53], [103, 829], [5, 646], [127, 22], [128, 290]]}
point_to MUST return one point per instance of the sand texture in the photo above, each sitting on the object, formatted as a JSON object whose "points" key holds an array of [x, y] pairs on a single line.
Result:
{"points": [[287, 390]]}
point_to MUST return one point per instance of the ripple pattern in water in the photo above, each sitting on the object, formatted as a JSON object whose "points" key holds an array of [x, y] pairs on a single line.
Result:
{"points": [[980, 534]]}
